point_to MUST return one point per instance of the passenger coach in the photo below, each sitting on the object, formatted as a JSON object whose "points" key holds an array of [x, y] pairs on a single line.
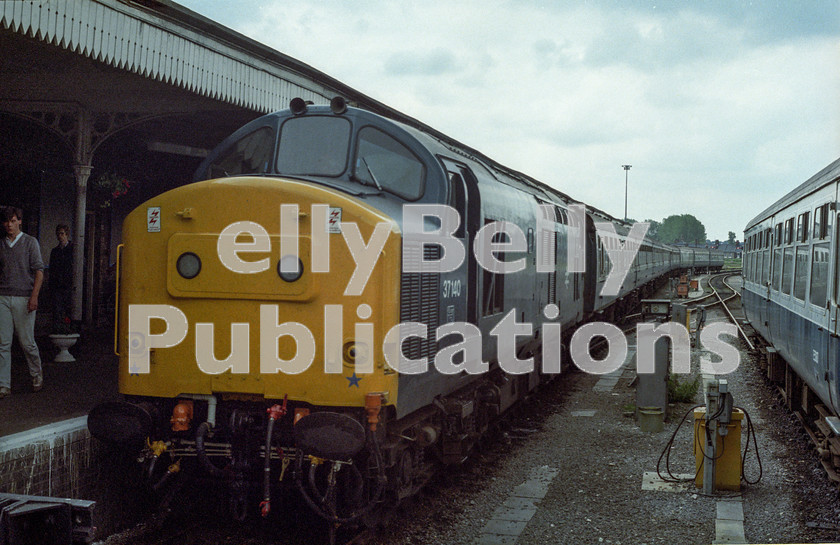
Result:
{"points": [[791, 282]]}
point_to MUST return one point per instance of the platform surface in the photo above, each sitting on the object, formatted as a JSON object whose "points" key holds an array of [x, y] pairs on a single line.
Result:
{"points": [[70, 389]]}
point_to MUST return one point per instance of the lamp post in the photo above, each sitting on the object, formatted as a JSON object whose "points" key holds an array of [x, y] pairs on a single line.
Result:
{"points": [[626, 169]]}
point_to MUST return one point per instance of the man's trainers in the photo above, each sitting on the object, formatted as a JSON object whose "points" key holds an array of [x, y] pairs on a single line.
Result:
{"points": [[4, 392], [37, 383]]}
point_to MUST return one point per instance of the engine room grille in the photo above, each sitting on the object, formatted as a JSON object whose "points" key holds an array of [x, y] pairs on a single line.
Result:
{"points": [[420, 302]]}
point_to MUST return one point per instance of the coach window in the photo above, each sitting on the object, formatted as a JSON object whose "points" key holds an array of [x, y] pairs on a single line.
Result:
{"points": [[248, 155], [817, 230], [787, 271], [768, 256], [805, 220], [765, 273], [827, 216], [777, 269], [789, 231], [800, 279], [819, 275], [747, 256], [822, 222], [383, 162], [778, 239]]}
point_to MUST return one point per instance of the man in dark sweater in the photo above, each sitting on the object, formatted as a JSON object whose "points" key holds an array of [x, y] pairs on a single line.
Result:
{"points": [[61, 278], [21, 276]]}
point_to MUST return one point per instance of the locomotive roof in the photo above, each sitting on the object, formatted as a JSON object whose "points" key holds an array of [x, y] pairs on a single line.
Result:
{"points": [[827, 175], [433, 138], [437, 142], [512, 177]]}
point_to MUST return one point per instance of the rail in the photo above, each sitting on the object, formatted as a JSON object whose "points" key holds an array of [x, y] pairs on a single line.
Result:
{"points": [[722, 302]]}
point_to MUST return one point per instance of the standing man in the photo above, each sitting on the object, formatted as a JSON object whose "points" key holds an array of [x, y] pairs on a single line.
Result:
{"points": [[61, 278], [21, 276]]}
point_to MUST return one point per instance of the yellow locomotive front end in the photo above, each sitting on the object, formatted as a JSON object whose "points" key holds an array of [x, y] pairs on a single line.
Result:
{"points": [[206, 307], [258, 311], [251, 315]]}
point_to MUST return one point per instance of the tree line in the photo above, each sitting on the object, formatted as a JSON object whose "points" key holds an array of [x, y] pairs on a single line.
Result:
{"points": [[678, 228]]}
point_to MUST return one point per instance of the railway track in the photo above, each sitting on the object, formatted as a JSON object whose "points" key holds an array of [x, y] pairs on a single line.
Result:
{"points": [[723, 294]]}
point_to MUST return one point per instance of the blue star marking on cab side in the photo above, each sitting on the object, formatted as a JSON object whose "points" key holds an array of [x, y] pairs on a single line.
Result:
{"points": [[354, 380]]}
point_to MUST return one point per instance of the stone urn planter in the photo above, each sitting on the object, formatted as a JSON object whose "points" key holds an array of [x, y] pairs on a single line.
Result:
{"points": [[63, 341]]}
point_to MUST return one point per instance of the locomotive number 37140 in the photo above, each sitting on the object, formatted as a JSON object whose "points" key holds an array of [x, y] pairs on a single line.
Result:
{"points": [[451, 288]]}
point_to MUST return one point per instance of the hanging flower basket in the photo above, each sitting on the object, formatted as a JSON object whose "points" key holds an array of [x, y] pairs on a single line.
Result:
{"points": [[109, 187]]}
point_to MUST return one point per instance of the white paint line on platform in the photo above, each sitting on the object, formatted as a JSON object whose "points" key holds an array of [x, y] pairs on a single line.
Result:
{"points": [[729, 524], [42, 433], [511, 518], [585, 412], [608, 381]]}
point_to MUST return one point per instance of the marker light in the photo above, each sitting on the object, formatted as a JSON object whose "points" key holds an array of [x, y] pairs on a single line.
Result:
{"points": [[188, 265], [286, 268]]}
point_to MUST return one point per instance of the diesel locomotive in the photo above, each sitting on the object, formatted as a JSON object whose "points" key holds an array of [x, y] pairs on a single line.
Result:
{"points": [[261, 308]]}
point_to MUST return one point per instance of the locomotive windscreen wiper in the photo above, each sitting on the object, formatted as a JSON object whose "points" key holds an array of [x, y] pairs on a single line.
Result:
{"points": [[372, 175]]}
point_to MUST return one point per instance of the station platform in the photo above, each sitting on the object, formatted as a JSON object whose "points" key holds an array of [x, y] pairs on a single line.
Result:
{"points": [[70, 389]]}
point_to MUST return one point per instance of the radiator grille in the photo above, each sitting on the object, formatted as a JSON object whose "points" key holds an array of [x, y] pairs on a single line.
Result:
{"points": [[419, 302]]}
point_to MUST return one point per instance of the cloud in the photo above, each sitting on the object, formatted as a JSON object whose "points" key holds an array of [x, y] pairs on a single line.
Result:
{"points": [[721, 107], [421, 63]]}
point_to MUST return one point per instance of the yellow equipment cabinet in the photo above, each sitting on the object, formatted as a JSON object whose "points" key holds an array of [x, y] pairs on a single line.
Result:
{"points": [[728, 463]]}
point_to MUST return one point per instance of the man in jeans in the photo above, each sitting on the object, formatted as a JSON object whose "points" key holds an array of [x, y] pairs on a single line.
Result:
{"points": [[21, 276]]}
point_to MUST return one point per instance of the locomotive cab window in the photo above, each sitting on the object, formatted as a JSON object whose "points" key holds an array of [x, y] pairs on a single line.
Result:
{"points": [[313, 146], [248, 155], [383, 162]]}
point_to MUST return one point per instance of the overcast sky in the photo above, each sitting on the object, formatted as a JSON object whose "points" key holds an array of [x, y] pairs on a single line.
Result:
{"points": [[721, 107]]}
